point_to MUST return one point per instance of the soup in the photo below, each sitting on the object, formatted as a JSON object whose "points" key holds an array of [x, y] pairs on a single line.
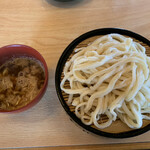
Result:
{"points": [[21, 79]]}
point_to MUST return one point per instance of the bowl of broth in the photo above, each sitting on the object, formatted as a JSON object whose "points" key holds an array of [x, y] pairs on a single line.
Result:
{"points": [[23, 78]]}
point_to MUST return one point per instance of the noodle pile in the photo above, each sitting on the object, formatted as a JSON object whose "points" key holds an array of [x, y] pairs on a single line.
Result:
{"points": [[111, 77]]}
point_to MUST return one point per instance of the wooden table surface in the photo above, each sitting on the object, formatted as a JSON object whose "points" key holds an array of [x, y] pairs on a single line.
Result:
{"points": [[49, 26]]}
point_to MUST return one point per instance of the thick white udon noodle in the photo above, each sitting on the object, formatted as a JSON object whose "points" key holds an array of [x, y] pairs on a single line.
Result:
{"points": [[111, 76]]}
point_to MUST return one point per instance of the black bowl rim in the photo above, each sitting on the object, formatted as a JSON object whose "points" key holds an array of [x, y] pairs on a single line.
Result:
{"points": [[59, 69]]}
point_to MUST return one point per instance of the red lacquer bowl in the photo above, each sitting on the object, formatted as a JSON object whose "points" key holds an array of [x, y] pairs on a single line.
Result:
{"points": [[17, 50]]}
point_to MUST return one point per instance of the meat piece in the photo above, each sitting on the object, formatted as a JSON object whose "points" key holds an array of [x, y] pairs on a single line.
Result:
{"points": [[5, 83]]}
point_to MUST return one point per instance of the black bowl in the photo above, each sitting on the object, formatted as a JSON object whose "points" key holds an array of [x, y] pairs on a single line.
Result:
{"points": [[67, 52]]}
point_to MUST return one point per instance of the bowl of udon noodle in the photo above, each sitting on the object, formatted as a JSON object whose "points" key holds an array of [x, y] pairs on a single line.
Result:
{"points": [[23, 78], [103, 82]]}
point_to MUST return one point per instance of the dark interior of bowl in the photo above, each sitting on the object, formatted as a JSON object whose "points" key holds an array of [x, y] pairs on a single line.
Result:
{"points": [[81, 41]]}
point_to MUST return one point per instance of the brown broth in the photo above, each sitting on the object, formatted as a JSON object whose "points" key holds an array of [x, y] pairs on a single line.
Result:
{"points": [[21, 79]]}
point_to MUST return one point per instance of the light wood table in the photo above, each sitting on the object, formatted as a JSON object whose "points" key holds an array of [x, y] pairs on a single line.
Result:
{"points": [[49, 26]]}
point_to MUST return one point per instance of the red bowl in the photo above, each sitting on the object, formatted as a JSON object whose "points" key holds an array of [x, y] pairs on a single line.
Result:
{"points": [[17, 50]]}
